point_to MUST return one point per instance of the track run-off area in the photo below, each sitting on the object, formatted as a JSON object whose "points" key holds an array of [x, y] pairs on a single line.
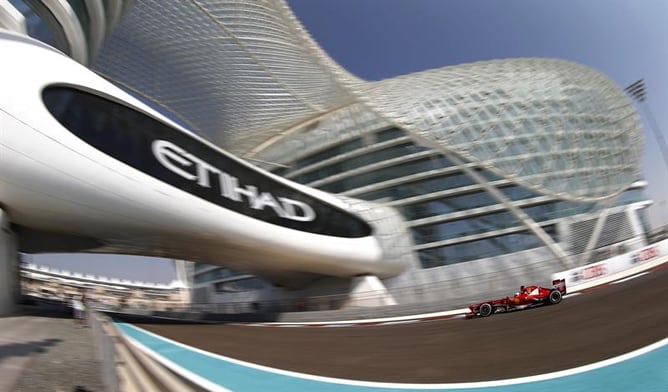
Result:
{"points": [[613, 337]]}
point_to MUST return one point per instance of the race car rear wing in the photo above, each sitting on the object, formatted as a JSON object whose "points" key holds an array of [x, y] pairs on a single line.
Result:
{"points": [[560, 284]]}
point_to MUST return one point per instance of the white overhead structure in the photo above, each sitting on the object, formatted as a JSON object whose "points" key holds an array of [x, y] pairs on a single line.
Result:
{"points": [[245, 76], [87, 167], [11, 18]]}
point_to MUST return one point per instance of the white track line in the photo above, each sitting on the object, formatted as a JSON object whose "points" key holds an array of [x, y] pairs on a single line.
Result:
{"points": [[630, 277], [372, 384]]}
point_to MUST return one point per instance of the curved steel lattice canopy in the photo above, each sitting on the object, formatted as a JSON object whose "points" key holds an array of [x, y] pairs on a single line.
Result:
{"points": [[554, 126], [243, 72], [234, 71]]}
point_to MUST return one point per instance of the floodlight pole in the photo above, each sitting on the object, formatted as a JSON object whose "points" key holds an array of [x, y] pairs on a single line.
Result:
{"points": [[637, 91], [657, 133]]}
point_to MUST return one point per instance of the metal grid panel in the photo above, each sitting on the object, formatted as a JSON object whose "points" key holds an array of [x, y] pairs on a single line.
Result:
{"points": [[551, 125], [235, 71], [242, 72]]}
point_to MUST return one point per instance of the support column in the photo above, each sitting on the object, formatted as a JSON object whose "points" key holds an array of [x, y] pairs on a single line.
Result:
{"points": [[598, 229], [640, 236], [367, 291], [9, 265], [182, 276]]}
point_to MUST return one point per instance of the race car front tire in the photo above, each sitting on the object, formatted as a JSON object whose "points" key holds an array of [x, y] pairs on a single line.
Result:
{"points": [[485, 310], [554, 297]]}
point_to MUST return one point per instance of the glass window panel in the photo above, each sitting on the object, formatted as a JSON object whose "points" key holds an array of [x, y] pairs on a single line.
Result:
{"points": [[201, 266], [389, 134], [474, 250], [404, 191], [631, 196], [385, 174], [541, 212], [248, 284], [448, 205], [463, 227], [516, 192], [329, 153], [359, 161], [280, 171], [488, 175]]}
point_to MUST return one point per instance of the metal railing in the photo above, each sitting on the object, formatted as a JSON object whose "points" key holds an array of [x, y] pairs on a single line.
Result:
{"points": [[445, 294], [126, 368], [415, 295]]}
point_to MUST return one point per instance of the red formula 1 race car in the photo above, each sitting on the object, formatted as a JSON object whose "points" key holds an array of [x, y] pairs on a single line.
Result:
{"points": [[528, 296]]}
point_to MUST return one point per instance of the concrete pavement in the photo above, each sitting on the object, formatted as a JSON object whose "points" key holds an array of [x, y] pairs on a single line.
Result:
{"points": [[47, 353]]}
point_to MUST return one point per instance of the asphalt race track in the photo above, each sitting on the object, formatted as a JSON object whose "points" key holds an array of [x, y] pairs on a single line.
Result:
{"points": [[597, 325]]}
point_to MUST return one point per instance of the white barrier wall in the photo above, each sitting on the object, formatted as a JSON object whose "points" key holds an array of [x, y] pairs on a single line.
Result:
{"points": [[597, 271]]}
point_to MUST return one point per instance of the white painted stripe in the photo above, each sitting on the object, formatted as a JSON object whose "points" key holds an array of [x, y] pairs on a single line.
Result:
{"points": [[399, 322], [183, 372], [571, 295], [465, 385], [379, 320], [630, 277], [14, 367]]}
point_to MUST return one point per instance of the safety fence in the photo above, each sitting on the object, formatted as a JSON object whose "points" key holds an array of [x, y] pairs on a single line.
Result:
{"points": [[126, 368], [452, 293]]}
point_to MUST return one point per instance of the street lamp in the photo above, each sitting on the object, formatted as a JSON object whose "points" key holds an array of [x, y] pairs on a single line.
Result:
{"points": [[636, 90]]}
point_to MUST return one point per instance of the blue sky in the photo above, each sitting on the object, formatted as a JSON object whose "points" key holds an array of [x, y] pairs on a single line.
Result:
{"points": [[376, 39]]}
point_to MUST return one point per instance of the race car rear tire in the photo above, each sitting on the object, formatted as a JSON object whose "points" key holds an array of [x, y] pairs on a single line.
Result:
{"points": [[554, 297], [485, 310]]}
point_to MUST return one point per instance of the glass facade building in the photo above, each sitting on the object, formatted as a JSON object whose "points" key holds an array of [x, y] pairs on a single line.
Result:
{"points": [[490, 165], [452, 217], [510, 168]]}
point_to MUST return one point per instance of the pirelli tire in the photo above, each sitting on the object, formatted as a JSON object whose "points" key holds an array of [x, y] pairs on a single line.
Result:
{"points": [[485, 310], [554, 297]]}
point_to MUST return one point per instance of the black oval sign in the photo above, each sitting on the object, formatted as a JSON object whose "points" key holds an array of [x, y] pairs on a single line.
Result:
{"points": [[182, 161]]}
